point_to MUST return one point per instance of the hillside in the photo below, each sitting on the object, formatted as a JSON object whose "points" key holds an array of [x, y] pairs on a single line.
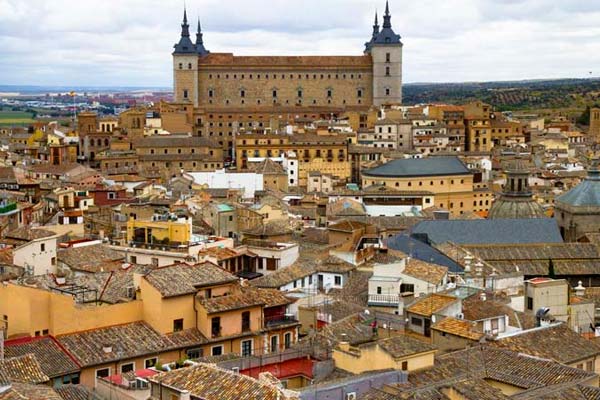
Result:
{"points": [[513, 95]]}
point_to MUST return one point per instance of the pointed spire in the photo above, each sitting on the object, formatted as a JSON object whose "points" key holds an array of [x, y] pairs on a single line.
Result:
{"points": [[387, 23], [200, 49], [375, 26], [185, 28]]}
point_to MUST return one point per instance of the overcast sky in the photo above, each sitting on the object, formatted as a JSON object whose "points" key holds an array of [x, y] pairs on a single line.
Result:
{"points": [[129, 42]]}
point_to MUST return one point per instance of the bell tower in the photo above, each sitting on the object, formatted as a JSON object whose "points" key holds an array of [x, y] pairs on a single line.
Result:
{"points": [[385, 48], [185, 67]]}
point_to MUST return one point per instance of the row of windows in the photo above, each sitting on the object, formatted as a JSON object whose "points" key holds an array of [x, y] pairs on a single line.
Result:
{"points": [[420, 183], [179, 151], [299, 93], [194, 164], [291, 76], [275, 101]]}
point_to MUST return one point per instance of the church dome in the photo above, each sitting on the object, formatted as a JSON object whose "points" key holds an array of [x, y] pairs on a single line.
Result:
{"points": [[586, 194], [516, 200]]}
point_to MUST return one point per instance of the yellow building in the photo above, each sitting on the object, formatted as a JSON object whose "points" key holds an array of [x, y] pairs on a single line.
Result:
{"points": [[478, 127], [450, 181], [325, 153], [130, 320], [158, 233], [399, 352]]}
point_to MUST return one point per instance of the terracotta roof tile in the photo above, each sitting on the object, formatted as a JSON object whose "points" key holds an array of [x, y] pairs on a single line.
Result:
{"points": [[53, 360], [458, 327], [425, 271], [431, 304], [200, 381], [23, 369], [181, 279]]}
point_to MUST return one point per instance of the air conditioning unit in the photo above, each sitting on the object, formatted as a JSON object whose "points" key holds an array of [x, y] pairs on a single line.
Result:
{"points": [[350, 396]]}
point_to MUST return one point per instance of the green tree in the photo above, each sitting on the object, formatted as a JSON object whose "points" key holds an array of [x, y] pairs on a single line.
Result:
{"points": [[584, 118]]}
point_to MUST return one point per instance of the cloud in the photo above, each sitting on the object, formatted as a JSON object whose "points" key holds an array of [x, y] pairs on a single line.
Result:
{"points": [[129, 42]]}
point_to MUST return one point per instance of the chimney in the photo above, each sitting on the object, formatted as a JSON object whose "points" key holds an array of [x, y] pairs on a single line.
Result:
{"points": [[579, 289], [184, 395], [344, 345]]}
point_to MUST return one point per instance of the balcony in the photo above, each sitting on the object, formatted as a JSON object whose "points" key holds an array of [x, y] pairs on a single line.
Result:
{"points": [[7, 208], [277, 320], [384, 299]]}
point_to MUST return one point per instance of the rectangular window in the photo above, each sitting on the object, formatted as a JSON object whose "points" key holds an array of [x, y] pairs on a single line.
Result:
{"points": [[216, 350], [378, 289], [337, 280], [387, 91], [178, 325], [185, 93], [43, 247], [287, 340], [246, 348], [529, 303], [387, 71], [150, 362], [245, 321], [127, 367], [387, 57], [215, 326], [194, 354], [274, 94], [404, 365], [589, 366], [102, 373], [274, 344], [416, 321]]}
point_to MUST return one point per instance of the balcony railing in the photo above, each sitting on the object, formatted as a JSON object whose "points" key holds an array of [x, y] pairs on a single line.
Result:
{"points": [[388, 299], [280, 320]]}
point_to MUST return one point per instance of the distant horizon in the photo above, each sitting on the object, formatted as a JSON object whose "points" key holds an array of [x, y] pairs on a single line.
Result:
{"points": [[168, 88]]}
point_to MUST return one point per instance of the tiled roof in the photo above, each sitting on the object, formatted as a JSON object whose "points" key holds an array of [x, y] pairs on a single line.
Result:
{"points": [[200, 381], [27, 233], [181, 279], [24, 369], [126, 341], [403, 346], [495, 231], [558, 343], [458, 327], [425, 271], [53, 360], [244, 298], [268, 167], [431, 304], [74, 392], [94, 258], [347, 226], [25, 391], [158, 141], [301, 268], [485, 362]]}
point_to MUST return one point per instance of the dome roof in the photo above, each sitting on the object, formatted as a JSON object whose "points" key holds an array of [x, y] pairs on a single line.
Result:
{"points": [[513, 208], [586, 194]]}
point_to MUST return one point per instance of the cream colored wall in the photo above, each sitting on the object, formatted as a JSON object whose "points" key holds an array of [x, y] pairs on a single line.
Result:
{"points": [[30, 310], [372, 358], [507, 389]]}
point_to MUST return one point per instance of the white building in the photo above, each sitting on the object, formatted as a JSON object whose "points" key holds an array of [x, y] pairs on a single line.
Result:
{"points": [[247, 182]]}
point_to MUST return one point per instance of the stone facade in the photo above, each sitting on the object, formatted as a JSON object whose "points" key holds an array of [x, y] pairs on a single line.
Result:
{"points": [[595, 124], [205, 79]]}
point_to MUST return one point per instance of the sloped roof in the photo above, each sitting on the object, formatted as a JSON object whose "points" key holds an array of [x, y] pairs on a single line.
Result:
{"points": [[425, 271], [181, 279], [23, 369], [558, 343], [403, 346], [200, 381], [419, 167], [431, 304], [535, 230], [458, 327], [586, 194], [53, 360]]}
